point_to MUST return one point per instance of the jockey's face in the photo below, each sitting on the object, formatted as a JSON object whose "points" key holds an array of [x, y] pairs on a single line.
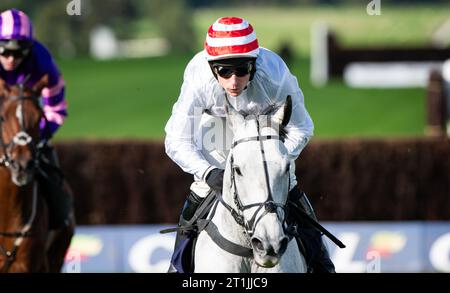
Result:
{"points": [[234, 85], [10, 63], [11, 59]]}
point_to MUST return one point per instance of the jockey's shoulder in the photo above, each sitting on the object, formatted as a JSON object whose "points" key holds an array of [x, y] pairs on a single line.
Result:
{"points": [[198, 70], [270, 61], [41, 55]]}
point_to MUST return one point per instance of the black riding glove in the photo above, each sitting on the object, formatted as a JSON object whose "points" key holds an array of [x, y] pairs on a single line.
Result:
{"points": [[215, 179]]}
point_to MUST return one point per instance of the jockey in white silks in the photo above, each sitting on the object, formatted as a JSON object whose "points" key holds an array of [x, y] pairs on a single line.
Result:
{"points": [[233, 69]]}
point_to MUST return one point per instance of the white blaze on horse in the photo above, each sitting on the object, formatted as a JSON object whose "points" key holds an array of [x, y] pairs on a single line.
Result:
{"points": [[247, 231]]}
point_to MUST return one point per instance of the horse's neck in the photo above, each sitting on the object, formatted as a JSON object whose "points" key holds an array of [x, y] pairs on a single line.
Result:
{"points": [[227, 225]]}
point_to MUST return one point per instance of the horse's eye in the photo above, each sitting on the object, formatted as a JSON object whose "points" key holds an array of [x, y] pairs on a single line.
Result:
{"points": [[238, 171]]}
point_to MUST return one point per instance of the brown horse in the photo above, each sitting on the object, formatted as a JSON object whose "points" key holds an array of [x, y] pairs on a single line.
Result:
{"points": [[26, 243]]}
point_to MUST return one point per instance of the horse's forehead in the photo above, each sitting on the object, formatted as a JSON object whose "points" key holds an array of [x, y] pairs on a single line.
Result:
{"points": [[251, 125], [14, 108], [246, 129], [250, 153], [10, 106]]}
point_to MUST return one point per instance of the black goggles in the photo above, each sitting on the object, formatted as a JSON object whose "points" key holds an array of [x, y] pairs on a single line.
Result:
{"points": [[15, 53], [239, 70]]}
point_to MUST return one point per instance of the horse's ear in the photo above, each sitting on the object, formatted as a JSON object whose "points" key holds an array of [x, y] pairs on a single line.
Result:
{"points": [[283, 114]]}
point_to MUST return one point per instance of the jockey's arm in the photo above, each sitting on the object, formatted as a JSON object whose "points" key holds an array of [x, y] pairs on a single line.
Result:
{"points": [[54, 103], [300, 127], [180, 133]]}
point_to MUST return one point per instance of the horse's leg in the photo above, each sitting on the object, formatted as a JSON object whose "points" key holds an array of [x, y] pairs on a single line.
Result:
{"points": [[59, 242]]}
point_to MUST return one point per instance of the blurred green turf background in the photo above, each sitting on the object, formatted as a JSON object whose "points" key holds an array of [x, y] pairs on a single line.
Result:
{"points": [[133, 98]]}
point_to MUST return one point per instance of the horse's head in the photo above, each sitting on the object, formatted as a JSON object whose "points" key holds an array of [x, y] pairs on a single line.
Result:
{"points": [[257, 180], [19, 132]]}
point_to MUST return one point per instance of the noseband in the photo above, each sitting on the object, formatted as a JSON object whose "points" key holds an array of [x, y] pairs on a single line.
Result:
{"points": [[270, 206]]}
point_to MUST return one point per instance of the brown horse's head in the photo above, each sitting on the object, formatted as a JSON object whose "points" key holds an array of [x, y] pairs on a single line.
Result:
{"points": [[19, 129]]}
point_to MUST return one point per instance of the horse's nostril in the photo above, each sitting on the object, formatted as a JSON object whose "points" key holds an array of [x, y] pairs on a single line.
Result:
{"points": [[30, 165], [15, 165], [257, 244], [271, 251], [20, 165]]}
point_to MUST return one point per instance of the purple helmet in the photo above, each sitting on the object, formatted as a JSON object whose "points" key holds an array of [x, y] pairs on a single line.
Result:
{"points": [[16, 30]]}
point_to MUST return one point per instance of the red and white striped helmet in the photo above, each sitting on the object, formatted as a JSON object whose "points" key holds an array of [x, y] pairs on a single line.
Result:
{"points": [[231, 37]]}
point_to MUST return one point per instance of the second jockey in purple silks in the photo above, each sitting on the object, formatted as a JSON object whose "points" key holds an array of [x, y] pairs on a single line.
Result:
{"points": [[25, 61]]}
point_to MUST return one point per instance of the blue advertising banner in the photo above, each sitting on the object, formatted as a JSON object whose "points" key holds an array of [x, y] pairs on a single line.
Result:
{"points": [[437, 248], [372, 247], [377, 247]]}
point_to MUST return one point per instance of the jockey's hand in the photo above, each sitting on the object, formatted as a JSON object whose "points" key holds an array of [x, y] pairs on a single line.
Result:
{"points": [[215, 179]]}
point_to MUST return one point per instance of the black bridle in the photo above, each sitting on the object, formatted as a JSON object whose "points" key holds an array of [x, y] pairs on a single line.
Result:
{"points": [[269, 205]]}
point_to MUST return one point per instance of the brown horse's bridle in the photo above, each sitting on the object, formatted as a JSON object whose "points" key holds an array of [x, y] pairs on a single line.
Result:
{"points": [[21, 138]]}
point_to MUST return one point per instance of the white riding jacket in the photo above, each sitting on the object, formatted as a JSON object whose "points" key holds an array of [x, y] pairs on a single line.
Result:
{"points": [[197, 136]]}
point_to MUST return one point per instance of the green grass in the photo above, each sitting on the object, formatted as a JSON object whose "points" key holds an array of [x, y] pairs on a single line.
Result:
{"points": [[134, 98], [341, 111], [122, 98]]}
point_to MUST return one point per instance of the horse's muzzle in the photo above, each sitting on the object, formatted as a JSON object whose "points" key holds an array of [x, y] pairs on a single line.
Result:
{"points": [[268, 254], [22, 172]]}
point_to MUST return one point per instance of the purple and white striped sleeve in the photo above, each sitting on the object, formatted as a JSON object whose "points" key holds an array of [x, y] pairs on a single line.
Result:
{"points": [[54, 105]]}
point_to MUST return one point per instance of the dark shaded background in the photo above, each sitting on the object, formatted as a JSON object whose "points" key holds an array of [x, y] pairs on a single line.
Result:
{"points": [[134, 182]]}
